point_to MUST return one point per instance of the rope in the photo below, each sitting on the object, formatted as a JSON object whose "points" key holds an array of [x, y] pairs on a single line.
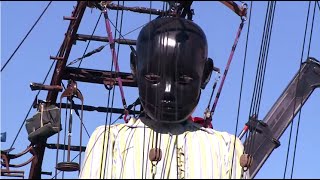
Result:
{"points": [[114, 61], [114, 57], [26, 36], [95, 27], [266, 54], [118, 50], [297, 131], [240, 95], [304, 40], [261, 68], [227, 66]]}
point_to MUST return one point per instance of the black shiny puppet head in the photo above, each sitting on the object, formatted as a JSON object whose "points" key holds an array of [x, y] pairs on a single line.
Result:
{"points": [[170, 66]]}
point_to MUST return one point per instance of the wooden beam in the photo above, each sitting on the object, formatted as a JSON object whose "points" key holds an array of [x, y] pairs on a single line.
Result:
{"points": [[98, 109], [83, 37], [62, 147], [140, 10], [98, 76]]}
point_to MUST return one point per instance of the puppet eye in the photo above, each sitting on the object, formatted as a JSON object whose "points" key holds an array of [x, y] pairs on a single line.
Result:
{"points": [[184, 79], [152, 78]]}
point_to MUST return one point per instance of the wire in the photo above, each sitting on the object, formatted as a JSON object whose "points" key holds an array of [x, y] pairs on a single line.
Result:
{"points": [[261, 69], [112, 51], [304, 40], [240, 95], [90, 39], [25, 36], [297, 132], [35, 99], [227, 67], [266, 53]]}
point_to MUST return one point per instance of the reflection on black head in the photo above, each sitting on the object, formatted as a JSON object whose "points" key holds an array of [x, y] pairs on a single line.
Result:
{"points": [[169, 68]]}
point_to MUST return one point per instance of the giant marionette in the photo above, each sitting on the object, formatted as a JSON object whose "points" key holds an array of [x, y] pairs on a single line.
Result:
{"points": [[171, 67]]}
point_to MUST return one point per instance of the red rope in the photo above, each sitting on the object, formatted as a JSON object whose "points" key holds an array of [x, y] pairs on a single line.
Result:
{"points": [[115, 61], [226, 70]]}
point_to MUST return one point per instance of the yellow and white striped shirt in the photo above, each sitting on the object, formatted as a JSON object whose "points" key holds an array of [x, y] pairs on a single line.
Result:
{"points": [[188, 151]]}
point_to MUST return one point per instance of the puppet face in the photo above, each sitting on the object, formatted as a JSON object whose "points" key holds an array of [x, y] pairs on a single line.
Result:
{"points": [[171, 54]]}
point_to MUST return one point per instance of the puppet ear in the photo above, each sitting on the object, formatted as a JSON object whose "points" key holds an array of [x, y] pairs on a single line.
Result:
{"points": [[133, 61], [207, 71]]}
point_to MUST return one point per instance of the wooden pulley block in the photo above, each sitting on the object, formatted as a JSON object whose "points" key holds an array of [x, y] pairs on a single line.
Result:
{"points": [[246, 160], [155, 154]]}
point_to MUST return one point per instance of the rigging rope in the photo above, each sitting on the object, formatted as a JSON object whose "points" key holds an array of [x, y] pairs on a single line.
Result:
{"points": [[113, 90], [227, 67], [84, 53], [114, 61], [261, 68], [114, 57], [241, 85], [291, 126], [100, 48], [25, 37], [297, 131]]}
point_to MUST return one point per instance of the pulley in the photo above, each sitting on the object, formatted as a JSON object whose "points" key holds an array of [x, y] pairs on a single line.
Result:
{"points": [[155, 154], [71, 92], [246, 161]]}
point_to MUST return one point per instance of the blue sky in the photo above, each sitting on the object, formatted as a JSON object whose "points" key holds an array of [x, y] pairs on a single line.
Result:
{"points": [[31, 64]]}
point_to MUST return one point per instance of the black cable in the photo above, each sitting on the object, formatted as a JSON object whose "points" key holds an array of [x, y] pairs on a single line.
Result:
{"points": [[241, 86], [266, 55], [257, 81], [118, 50], [32, 102], [262, 68], [81, 62], [314, 12], [304, 40], [297, 131], [77, 113], [264, 60], [25, 36], [109, 91], [144, 128], [95, 27], [100, 48], [258, 66]]}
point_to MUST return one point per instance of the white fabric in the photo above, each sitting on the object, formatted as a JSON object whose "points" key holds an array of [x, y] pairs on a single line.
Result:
{"points": [[188, 151]]}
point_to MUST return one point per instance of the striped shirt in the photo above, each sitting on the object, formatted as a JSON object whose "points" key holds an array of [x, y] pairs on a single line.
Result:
{"points": [[188, 151]]}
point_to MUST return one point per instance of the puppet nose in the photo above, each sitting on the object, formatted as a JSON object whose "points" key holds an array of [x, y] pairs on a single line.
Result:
{"points": [[168, 93]]}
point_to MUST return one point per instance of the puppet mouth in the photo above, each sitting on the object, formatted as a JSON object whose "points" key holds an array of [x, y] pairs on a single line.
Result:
{"points": [[169, 105]]}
